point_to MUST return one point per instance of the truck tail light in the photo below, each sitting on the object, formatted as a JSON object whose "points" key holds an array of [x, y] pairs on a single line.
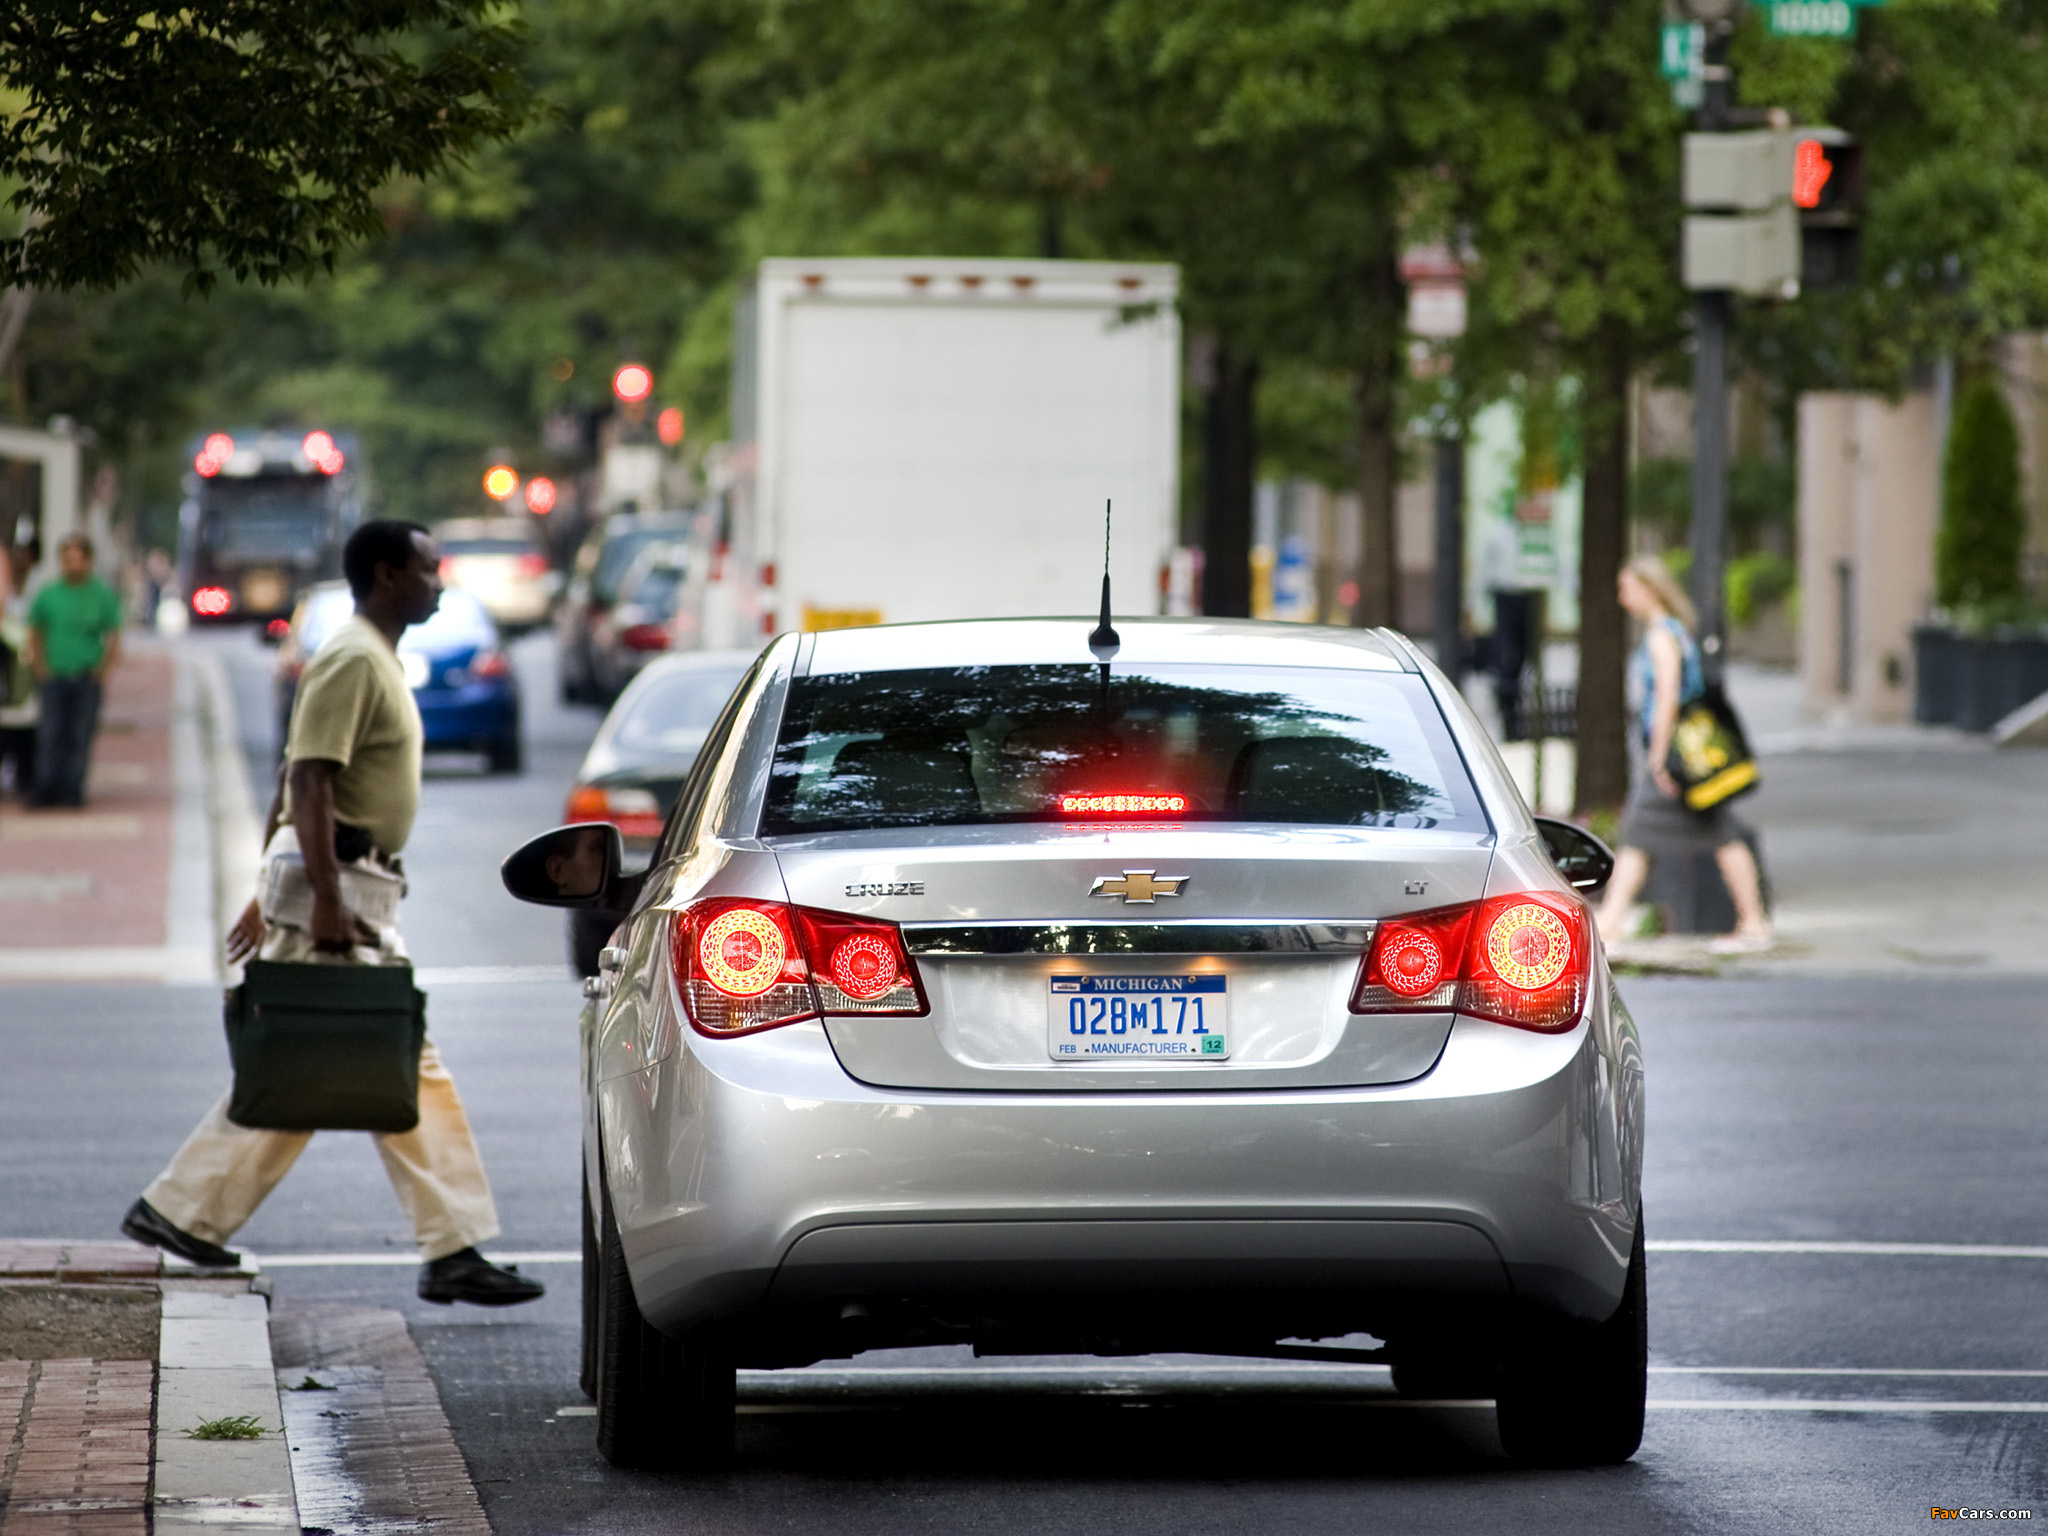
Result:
{"points": [[1523, 960], [743, 966]]}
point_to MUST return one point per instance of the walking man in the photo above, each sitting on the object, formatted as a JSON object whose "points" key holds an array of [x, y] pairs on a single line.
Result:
{"points": [[74, 639], [347, 797]]}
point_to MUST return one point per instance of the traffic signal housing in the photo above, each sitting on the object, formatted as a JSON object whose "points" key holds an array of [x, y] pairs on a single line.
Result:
{"points": [[1828, 191], [1778, 209]]}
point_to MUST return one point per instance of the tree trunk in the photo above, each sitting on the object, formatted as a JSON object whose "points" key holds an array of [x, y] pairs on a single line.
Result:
{"points": [[1603, 544], [1379, 374], [1229, 454]]}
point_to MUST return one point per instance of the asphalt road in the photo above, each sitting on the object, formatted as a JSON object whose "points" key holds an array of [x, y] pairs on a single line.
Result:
{"points": [[1805, 1111]]}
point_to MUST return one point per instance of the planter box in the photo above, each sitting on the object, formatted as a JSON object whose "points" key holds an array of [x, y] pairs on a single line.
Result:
{"points": [[1974, 681]]}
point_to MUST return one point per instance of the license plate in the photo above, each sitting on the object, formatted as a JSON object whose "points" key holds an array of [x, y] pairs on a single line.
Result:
{"points": [[1138, 1018]]}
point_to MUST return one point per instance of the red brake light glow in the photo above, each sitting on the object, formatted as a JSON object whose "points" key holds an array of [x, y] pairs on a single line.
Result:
{"points": [[635, 812], [1123, 805], [1528, 947], [211, 602], [644, 637], [533, 562], [320, 449], [214, 454], [747, 965], [1523, 959], [742, 951], [863, 966], [540, 495], [490, 664]]}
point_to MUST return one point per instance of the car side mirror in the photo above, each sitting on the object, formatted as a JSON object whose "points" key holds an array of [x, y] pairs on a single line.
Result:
{"points": [[576, 866], [1579, 856]]}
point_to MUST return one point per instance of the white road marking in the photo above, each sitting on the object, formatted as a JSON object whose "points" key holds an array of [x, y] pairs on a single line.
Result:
{"points": [[1835, 1370], [262, 1261], [1852, 1250]]}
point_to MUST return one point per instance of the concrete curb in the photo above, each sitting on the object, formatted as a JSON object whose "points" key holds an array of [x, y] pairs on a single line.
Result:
{"points": [[213, 1362]]}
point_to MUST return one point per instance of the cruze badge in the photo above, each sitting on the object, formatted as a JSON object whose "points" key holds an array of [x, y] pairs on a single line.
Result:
{"points": [[887, 888], [1142, 886]]}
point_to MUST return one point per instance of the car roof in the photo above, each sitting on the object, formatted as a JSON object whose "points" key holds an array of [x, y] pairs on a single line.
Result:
{"points": [[1014, 642]]}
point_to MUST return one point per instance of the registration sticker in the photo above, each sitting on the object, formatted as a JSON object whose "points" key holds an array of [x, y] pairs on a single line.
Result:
{"points": [[1138, 1018]]}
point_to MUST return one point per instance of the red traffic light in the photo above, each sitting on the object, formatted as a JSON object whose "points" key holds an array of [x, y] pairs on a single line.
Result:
{"points": [[668, 426], [633, 383], [540, 495], [1811, 169]]}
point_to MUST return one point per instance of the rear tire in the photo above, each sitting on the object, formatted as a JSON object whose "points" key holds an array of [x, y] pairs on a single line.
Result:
{"points": [[663, 1404], [1572, 1396]]}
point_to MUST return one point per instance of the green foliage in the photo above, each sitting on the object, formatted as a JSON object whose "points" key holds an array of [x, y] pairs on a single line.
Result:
{"points": [[1760, 497], [1757, 582], [245, 136], [1983, 522], [242, 1426]]}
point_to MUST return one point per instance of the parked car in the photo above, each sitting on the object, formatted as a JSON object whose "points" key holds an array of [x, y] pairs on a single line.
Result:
{"points": [[637, 763], [601, 563], [1218, 996], [503, 561], [456, 663], [656, 612]]}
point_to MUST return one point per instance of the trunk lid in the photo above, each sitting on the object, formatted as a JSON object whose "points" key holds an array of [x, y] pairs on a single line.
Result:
{"points": [[1007, 924]]}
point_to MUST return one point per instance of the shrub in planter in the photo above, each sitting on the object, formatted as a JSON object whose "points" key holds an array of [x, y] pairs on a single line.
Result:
{"points": [[1983, 523]]}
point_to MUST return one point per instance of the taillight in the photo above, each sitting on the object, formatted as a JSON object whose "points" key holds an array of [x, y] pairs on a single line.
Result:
{"points": [[644, 637], [745, 965], [533, 563], [1523, 960], [859, 966], [635, 812], [211, 602], [490, 664]]}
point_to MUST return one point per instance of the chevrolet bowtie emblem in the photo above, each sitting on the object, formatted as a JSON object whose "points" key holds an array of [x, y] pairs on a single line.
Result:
{"points": [[1138, 885]]}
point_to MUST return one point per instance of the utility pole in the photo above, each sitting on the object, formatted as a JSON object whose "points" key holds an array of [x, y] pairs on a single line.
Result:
{"points": [[1710, 402]]}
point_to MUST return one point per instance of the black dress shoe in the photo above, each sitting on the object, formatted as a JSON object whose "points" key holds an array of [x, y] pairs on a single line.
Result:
{"points": [[469, 1276], [146, 1224]]}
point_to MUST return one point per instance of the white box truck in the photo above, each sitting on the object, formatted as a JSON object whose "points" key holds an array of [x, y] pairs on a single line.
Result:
{"points": [[936, 439]]}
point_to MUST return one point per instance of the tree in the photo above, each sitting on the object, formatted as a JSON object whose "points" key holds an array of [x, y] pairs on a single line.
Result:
{"points": [[1983, 523], [245, 136]]}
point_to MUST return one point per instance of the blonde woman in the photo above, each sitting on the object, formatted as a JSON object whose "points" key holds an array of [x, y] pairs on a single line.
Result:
{"points": [[1664, 676]]}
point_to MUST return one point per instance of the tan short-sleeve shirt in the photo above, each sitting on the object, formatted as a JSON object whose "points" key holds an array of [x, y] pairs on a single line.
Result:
{"points": [[354, 708]]}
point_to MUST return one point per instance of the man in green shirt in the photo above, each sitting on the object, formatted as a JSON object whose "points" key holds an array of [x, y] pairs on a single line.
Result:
{"points": [[74, 638]]}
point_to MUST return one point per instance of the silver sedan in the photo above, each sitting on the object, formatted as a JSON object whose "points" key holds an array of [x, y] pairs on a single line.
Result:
{"points": [[1219, 996]]}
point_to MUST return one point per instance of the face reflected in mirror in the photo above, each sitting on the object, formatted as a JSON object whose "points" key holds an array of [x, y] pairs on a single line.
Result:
{"points": [[576, 864]]}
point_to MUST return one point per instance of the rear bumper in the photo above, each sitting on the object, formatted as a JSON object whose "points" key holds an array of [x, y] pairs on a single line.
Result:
{"points": [[460, 717], [754, 1180]]}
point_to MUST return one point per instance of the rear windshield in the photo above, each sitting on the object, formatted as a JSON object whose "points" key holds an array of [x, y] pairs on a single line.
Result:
{"points": [[1166, 743], [674, 711]]}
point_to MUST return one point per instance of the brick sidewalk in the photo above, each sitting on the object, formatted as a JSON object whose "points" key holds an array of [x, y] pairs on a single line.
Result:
{"points": [[75, 1434], [100, 876]]}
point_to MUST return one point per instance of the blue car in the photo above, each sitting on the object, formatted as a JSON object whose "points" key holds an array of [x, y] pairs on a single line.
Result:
{"points": [[456, 663]]}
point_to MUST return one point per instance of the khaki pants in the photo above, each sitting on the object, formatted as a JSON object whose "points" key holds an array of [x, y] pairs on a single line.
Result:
{"points": [[224, 1170]]}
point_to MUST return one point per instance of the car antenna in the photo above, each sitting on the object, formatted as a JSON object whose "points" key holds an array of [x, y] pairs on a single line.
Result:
{"points": [[1105, 640]]}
